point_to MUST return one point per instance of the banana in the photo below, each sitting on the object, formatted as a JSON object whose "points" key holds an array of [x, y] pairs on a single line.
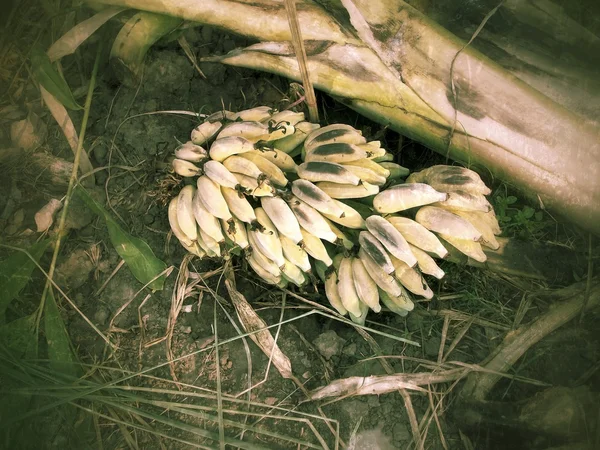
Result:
{"points": [[206, 221], [315, 197], [362, 318], [350, 218], [346, 288], [289, 143], [287, 115], [373, 149], [391, 238], [335, 153], [314, 247], [252, 131], [419, 236], [396, 170], [293, 273], [278, 130], [367, 175], [426, 263], [282, 216], [273, 173], [378, 168], [256, 114], [466, 246], [311, 220], [177, 231], [269, 238], [450, 179], [484, 223], [384, 281], [255, 187], [465, 201], [372, 247], [447, 223], [332, 293], [223, 148], [335, 133], [185, 215], [185, 168], [204, 246], [406, 196], [236, 231], [205, 131], [260, 256], [400, 304], [295, 254], [191, 152], [387, 157], [213, 245], [220, 174], [282, 160], [210, 195], [342, 239], [194, 249], [262, 272], [237, 164], [347, 191], [365, 287], [238, 205], [411, 279], [323, 171]]}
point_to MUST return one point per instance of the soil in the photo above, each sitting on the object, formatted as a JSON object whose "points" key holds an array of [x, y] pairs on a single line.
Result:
{"points": [[320, 349]]}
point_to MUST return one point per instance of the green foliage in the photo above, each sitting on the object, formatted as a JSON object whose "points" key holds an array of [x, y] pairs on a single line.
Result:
{"points": [[51, 80], [136, 253], [20, 338], [517, 219], [15, 273], [59, 345]]}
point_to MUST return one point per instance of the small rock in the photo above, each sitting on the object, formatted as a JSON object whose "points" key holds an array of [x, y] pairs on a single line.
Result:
{"points": [[370, 440], [350, 349], [101, 315], [329, 344], [75, 270], [401, 432], [148, 219], [101, 154]]}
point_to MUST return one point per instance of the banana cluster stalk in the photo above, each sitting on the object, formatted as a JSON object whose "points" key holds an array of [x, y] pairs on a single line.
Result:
{"points": [[245, 190]]}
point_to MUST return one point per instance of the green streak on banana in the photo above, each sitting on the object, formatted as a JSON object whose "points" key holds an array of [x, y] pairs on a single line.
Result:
{"points": [[399, 304], [372, 247], [315, 197], [450, 179], [342, 238], [366, 175], [391, 239], [378, 168], [334, 133], [283, 217], [293, 273], [318, 171], [289, 143], [262, 272], [211, 243], [362, 318], [396, 171], [406, 196]]}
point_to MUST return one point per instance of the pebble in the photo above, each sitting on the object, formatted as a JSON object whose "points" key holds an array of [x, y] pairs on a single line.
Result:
{"points": [[329, 344]]}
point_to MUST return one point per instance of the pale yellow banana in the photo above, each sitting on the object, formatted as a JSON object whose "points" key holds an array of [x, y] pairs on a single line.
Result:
{"points": [[378, 168], [236, 232], [282, 217], [264, 274], [365, 287], [419, 236], [295, 254], [372, 247], [314, 247], [185, 168], [317, 171], [211, 197], [348, 191], [177, 231], [315, 197], [399, 304], [411, 279], [252, 131], [205, 132], [282, 160], [255, 187], [238, 205], [346, 288], [342, 239], [332, 293], [483, 222], [450, 179], [206, 221], [293, 273], [465, 201], [191, 152], [395, 170], [220, 174], [256, 114], [405, 196], [367, 175], [350, 218], [272, 172], [287, 115], [386, 282], [447, 223], [335, 153], [391, 238], [426, 263], [260, 256], [212, 244], [185, 214], [334, 133], [223, 148], [237, 164], [268, 239], [466, 246], [311, 220]]}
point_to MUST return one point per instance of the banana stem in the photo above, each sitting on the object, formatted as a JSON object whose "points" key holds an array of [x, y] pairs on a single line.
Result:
{"points": [[72, 182]]}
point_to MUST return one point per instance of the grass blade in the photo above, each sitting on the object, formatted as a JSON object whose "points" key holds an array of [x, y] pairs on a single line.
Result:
{"points": [[60, 354], [51, 80]]}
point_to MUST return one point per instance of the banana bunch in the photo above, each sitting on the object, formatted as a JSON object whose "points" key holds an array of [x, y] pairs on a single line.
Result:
{"points": [[294, 221]]}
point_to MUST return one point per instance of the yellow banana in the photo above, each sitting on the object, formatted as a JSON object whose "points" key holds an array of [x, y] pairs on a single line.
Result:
{"points": [[372, 247], [293, 273], [282, 160], [365, 287], [317, 171], [282, 216], [219, 174], [295, 254], [367, 175], [450, 179], [212, 244], [237, 164], [483, 222], [466, 246], [315, 197], [252, 131], [399, 304], [256, 114], [262, 272], [406, 196], [287, 115], [255, 187], [426, 263], [211, 197], [205, 132], [346, 287], [177, 231], [411, 279], [238, 205], [465, 201], [391, 238], [268, 239], [289, 143], [191, 152], [383, 280], [206, 221], [342, 239], [334, 133], [236, 232], [332, 293], [350, 218], [378, 168], [311, 220], [447, 223], [419, 236], [185, 215], [204, 246], [348, 191], [273, 173], [223, 148], [314, 247], [185, 168]]}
